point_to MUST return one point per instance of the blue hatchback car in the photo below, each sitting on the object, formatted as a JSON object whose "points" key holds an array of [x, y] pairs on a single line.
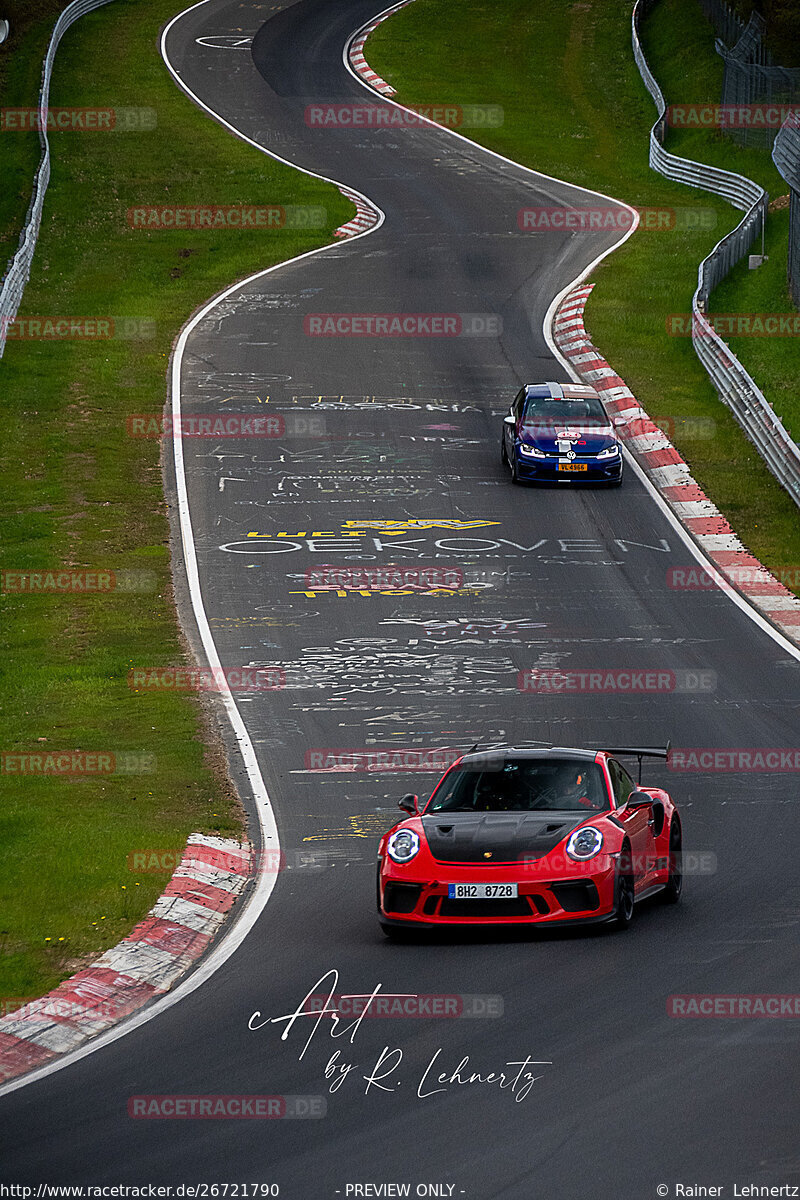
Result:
{"points": [[560, 433]]}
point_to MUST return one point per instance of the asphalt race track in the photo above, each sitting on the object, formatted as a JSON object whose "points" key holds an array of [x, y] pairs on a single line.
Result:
{"points": [[407, 429]]}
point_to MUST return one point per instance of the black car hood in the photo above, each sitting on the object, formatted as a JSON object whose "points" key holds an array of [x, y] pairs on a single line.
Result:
{"points": [[505, 837]]}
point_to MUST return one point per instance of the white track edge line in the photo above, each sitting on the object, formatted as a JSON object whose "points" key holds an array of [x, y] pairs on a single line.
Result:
{"points": [[257, 900]]}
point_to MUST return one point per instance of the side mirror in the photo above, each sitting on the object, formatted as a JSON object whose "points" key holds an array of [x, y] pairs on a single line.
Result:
{"points": [[509, 420], [639, 800], [409, 804], [618, 422]]}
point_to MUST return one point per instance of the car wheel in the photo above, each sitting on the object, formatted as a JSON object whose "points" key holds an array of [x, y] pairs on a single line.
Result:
{"points": [[671, 893], [624, 908], [503, 453], [514, 472]]}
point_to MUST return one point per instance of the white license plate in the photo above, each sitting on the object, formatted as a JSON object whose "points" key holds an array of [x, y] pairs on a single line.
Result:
{"points": [[482, 891]]}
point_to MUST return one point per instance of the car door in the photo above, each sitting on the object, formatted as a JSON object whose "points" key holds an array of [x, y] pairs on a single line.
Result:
{"points": [[510, 431], [638, 824]]}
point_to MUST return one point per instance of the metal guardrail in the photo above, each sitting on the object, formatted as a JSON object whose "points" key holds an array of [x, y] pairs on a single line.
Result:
{"points": [[734, 385], [19, 268], [786, 156]]}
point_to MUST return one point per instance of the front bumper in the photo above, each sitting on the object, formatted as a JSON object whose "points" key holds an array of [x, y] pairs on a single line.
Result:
{"points": [[584, 898], [425, 927], [545, 470]]}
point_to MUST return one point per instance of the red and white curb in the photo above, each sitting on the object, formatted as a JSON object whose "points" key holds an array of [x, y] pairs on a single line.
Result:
{"points": [[671, 475], [365, 217], [358, 61], [211, 875]]}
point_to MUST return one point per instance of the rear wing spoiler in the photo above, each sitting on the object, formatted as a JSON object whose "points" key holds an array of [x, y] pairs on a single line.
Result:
{"points": [[640, 752]]}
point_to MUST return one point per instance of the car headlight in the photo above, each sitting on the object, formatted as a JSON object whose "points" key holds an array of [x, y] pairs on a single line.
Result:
{"points": [[403, 845], [531, 451], [585, 843], [609, 452]]}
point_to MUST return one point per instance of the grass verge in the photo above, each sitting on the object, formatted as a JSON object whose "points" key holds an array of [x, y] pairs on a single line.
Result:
{"points": [[77, 492], [575, 107]]}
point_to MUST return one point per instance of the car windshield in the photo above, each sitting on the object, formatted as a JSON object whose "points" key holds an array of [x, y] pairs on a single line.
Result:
{"points": [[523, 785], [550, 411]]}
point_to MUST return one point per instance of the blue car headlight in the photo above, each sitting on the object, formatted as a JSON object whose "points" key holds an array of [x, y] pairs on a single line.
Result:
{"points": [[531, 451], [403, 845], [609, 452], [585, 843]]}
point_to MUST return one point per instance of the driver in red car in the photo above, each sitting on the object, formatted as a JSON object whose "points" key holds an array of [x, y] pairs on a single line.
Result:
{"points": [[579, 788]]}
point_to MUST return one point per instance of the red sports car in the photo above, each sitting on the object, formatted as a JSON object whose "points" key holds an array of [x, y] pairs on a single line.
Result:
{"points": [[515, 836]]}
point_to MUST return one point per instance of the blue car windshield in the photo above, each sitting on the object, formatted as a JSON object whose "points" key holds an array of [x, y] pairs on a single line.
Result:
{"points": [[550, 411], [524, 785]]}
